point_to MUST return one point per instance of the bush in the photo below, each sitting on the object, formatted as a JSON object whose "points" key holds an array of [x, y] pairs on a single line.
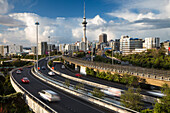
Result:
{"points": [[97, 93]]}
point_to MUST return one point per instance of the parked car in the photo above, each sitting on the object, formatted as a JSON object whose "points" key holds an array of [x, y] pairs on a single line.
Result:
{"points": [[25, 80], [18, 71], [43, 67], [49, 95], [51, 73], [78, 75]]}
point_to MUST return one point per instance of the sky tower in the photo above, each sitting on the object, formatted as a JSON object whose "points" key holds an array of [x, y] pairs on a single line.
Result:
{"points": [[84, 39]]}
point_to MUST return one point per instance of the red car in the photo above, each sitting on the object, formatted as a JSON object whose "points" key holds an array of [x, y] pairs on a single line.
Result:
{"points": [[78, 75], [25, 80], [20, 69]]}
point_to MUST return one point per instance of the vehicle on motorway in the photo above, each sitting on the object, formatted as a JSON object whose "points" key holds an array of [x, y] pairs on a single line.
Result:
{"points": [[112, 92], [43, 67], [49, 95], [51, 73], [63, 67], [25, 80], [18, 71], [46, 58], [78, 75]]}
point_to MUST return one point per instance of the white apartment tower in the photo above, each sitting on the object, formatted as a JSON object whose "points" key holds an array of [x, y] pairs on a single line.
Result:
{"points": [[152, 42]]}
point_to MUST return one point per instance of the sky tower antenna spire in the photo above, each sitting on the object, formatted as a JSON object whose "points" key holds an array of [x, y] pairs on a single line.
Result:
{"points": [[84, 10]]}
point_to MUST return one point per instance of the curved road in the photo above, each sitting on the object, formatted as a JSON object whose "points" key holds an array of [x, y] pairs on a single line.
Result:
{"points": [[68, 103], [93, 79]]}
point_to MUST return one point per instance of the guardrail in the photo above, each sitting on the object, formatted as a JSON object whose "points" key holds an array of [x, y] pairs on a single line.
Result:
{"points": [[138, 71], [83, 96], [34, 103]]}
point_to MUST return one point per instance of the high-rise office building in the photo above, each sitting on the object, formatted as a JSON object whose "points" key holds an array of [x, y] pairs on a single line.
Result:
{"points": [[33, 50], [115, 44], [13, 49], [103, 38], [128, 44], [42, 48], [3, 50]]}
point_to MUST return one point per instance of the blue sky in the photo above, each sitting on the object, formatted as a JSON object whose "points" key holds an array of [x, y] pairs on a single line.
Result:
{"points": [[64, 8], [61, 19]]}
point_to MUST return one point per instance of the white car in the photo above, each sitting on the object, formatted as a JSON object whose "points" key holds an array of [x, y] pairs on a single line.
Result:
{"points": [[63, 67], [46, 58], [49, 95], [18, 71], [51, 73]]}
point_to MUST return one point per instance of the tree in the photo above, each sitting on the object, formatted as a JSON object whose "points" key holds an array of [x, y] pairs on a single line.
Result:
{"points": [[97, 93], [67, 82], [116, 77], [133, 80], [164, 105], [132, 99]]}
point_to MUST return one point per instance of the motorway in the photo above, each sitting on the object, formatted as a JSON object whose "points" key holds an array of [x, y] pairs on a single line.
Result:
{"points": [[68, 103], [88, 78]]}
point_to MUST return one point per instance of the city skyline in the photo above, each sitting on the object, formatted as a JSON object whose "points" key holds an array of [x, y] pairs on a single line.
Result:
{"points": [[141, 18]]}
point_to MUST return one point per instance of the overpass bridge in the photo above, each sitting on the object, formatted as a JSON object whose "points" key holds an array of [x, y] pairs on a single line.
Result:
{"points": [[154, 74]]}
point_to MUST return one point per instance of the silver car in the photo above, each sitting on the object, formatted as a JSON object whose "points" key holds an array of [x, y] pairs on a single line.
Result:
{"points": [[51, 73], [49, 95]]}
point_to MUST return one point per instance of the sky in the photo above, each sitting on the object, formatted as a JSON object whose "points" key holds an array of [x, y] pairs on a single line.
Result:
{"points": [[61, 20]]}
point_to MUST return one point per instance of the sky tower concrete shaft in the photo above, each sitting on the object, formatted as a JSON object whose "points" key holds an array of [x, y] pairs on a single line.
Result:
{"points": [[84, 39]]}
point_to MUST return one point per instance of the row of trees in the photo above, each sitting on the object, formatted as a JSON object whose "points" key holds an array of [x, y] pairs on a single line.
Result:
{"points": [[124, 79], [16, 63], [153, 58], [132, 99], [29, 56]]}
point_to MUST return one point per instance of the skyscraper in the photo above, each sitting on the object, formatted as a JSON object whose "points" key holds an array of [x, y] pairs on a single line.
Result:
{"points": [[84, 39], [103, 38]]}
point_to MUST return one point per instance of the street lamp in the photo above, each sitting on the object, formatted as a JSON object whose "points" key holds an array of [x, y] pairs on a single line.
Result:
{"points": [[37, 42], [49, 47], [92, 52], [112, 52]]}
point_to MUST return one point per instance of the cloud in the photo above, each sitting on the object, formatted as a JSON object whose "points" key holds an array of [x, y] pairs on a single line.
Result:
{"points": [[5, 7], [155, 23], [145, 18], [6, 20]]}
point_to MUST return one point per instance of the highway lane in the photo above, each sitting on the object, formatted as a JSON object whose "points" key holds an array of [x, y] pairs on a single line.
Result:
{"points": [[58, 77], [68, 103]]}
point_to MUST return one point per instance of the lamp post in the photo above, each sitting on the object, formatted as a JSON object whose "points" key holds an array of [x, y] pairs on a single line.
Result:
{"points": [[92, 52], [37, 42], [112, 52], [49, 47]]}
